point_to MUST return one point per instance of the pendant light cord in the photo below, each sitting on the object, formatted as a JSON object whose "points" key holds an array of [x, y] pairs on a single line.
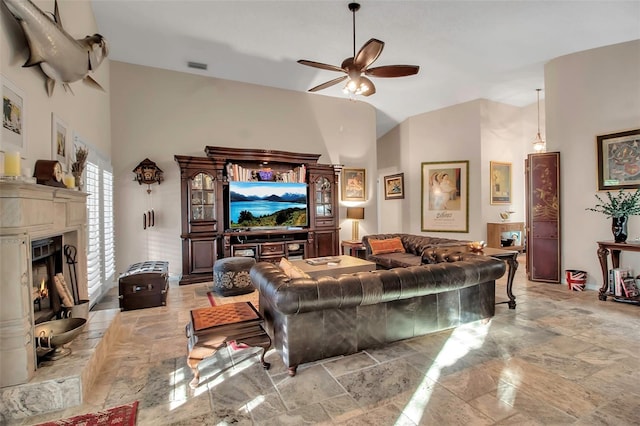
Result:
{"points": [[354, 33], [538, 90]]}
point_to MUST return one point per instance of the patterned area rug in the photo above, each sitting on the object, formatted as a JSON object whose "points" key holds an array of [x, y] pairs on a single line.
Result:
{"points": [[124, 415]]}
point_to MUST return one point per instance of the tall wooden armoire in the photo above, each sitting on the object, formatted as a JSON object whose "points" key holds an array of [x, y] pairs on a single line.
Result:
{"points": [[543, 217]]}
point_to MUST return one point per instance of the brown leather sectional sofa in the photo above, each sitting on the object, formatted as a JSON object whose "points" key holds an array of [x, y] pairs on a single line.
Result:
{"points": [[418, 249], [310, 319]]}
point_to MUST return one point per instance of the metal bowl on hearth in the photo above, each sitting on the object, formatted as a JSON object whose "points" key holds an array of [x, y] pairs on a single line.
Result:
{"points": [[51, 336]]}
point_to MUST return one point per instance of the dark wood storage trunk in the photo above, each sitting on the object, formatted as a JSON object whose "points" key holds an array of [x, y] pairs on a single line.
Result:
{"points": [[144, 285]]}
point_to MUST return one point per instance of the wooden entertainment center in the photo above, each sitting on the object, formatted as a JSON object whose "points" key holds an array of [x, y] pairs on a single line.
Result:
{"points": [[206, 232]]}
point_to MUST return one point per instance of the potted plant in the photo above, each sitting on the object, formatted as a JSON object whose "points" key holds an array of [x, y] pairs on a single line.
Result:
{"points": [[619, 207]]}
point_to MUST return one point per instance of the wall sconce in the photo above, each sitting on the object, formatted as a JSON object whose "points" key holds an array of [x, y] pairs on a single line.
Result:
{"points": [[147, 172], [356, 214]]}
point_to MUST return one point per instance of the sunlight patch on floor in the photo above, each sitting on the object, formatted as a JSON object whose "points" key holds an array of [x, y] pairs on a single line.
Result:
{"points": [[463, 339]]}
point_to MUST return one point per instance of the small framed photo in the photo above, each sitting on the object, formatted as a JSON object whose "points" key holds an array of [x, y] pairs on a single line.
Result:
{"points": [[619, 160], [60, 142], [445, 196], [354, 184], [394, 187], [13, 118], [500, 178]]}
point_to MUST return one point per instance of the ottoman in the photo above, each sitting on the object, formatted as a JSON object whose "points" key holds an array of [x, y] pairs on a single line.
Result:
{"points": [[231, 276]]}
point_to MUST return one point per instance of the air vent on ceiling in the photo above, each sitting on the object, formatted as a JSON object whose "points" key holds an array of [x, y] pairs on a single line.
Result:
{"points": [[197, 65]]}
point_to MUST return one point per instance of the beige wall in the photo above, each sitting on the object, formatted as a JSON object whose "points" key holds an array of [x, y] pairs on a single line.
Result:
{"points": [[85, 112], [158, 114], [479, 131], [590, 93]]}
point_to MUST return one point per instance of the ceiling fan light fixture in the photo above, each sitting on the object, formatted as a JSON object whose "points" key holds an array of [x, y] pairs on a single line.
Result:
{"points": [[356, 68], [539, 145], [355, 86]]}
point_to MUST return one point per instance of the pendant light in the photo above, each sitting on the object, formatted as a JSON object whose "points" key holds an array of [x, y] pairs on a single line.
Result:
{"points": [[539, 145]]}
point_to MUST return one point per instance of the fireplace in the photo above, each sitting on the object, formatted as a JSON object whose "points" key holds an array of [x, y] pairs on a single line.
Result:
{"points": [[36, 222], [46, 262]]}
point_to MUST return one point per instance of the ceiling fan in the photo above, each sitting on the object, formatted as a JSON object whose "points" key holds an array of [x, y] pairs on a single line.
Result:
{"points": [[357, 67]]}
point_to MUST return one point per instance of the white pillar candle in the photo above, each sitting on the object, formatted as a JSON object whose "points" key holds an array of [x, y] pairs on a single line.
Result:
{"points": [[12, 164]]}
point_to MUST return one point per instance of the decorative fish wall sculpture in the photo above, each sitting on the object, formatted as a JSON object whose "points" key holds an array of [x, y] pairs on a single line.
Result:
{"points": [[61, 57]]}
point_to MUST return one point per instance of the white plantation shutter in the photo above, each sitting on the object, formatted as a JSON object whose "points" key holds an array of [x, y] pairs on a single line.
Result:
{"points": [[94, 273], [98, 179], [108, 231]]}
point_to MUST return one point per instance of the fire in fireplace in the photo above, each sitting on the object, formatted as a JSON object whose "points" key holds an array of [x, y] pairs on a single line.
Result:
{"points": [[46, 262]]}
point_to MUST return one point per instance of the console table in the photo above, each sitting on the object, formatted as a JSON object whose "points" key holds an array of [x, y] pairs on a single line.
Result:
{"points": [[604, 248]]}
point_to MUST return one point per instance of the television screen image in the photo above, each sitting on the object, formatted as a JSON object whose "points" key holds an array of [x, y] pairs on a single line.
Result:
{"points": [[267, 204]]}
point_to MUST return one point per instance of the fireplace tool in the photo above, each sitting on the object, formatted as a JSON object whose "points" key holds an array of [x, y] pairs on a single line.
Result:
{"points": [[70, 254]]}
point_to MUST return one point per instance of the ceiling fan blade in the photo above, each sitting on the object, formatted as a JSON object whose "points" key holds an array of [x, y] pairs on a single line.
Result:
{"points": [[328, 83], [368, 53], [320, 65], [393, 71], [372, 87]]}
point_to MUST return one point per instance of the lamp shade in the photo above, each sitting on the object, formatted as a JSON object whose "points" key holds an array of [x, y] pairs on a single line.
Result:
{"points": [[355, 212]]}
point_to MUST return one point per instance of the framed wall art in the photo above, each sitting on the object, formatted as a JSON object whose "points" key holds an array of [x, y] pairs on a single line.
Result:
{"points": [[619, 160], [60, 141], [354, 185], [394, 187], [445, 196], [500, 178], [13, 118]]}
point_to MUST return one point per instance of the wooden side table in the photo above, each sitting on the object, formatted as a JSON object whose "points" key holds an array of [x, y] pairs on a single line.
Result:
{"points": [[212, 328], [604, 249], [510, 257], [354, 248]]}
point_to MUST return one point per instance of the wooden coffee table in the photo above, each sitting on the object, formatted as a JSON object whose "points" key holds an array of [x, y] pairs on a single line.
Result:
{"points": [[347, 265]]}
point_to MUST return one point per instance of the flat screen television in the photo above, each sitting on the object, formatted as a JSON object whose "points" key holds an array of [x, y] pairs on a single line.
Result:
{"points": [[267, 205]]}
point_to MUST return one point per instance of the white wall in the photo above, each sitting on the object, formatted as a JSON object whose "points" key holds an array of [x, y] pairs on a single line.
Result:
{"points": [[479, 131], [590, 93], [503, 140], [158, 114]]}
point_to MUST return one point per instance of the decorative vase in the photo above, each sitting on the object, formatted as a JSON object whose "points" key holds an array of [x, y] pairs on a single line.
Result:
{"points": [[79, 182], [619, 228]]}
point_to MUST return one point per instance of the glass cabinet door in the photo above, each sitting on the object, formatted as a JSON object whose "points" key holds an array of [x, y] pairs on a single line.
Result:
{"points": [[323, 197], [203, 197]]}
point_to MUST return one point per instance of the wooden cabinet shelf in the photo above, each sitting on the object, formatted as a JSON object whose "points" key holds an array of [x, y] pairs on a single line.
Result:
{"points": [[499, 233]]}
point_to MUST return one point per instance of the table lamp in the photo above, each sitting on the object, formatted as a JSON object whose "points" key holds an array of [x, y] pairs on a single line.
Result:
{"points": [[356, 214]]}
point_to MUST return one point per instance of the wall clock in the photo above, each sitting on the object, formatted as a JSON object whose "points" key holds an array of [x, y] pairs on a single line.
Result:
{"points": [[48, 172]]}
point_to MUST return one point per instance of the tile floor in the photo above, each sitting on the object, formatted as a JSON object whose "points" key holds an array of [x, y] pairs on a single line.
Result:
{"points": [[559, 358]]}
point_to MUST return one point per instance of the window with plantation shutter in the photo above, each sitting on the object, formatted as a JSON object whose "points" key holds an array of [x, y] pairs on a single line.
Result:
{"points": [[98, 181], [108, 229], [94, 275]]}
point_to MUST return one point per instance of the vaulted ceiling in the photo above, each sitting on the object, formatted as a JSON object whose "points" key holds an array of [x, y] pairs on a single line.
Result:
{"points": [[465, 49]]}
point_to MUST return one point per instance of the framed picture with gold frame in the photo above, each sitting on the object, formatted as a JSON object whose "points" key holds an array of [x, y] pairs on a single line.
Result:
{"points": [[619, 160], [500, 178], [394, 187], [354, 185], [445, 196]]}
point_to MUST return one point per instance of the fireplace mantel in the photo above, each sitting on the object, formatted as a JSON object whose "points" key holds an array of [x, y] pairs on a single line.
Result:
{"points": [[30, 212]]}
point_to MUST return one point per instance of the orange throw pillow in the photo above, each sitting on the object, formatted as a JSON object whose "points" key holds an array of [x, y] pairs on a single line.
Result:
{"points": [[389, 245]]}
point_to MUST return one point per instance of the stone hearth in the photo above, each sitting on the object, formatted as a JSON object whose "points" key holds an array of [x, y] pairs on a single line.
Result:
{"points": [[30, 212]]}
